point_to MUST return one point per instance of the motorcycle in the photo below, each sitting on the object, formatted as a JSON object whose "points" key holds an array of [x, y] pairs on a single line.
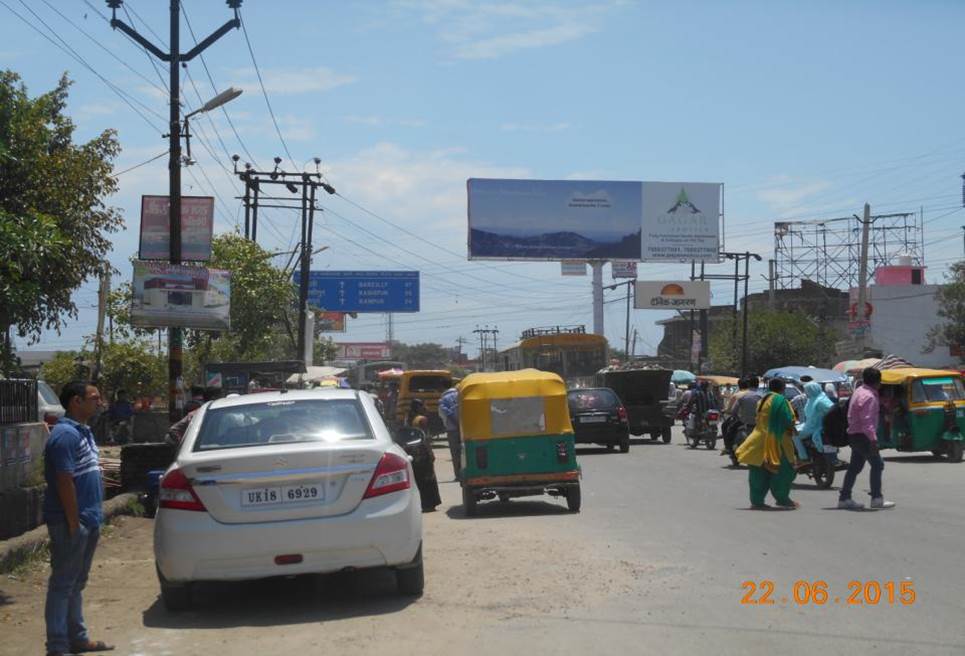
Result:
{"points": [[702, 430], [819, 467], [742, 430]]}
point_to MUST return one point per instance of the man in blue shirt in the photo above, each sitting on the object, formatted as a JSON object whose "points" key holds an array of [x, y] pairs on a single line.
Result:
{"points": [[449, 413], [72, 510]]}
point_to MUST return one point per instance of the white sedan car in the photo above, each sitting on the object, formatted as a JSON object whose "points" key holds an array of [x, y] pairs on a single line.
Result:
{"points": [[284, 483]]}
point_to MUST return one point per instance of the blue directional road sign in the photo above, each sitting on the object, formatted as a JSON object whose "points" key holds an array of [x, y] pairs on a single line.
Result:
{"points": [[363, 291]]}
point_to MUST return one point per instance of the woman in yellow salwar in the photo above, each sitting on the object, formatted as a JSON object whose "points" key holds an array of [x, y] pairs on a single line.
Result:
{"points": [[768, 451]]}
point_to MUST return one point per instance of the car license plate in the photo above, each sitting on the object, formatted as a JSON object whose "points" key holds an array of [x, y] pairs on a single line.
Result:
{"points": [[267, 496], [593, 420]]}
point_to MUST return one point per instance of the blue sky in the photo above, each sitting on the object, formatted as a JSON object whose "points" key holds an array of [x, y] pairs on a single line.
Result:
{"points": [[802, 109]]}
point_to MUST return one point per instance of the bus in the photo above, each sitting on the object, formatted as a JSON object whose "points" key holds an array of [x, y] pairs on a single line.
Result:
{"points": [[565, 350]]}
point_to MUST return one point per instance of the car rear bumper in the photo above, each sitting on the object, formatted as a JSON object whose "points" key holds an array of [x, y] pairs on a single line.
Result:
{"points": [[606, 435], [192, 546]]}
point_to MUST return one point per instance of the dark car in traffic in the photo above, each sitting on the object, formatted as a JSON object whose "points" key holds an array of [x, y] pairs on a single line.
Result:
{"points": [[598, 417]]}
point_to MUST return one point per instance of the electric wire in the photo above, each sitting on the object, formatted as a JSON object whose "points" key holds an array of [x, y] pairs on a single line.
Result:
{"points": [[83, 62], [137, 166]]}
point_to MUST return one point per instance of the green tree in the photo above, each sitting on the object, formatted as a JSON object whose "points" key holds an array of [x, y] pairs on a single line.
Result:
{"points": [[54, 223], [775, 338], [134, 367], [263, 310], [62, 369], [951, 309]]}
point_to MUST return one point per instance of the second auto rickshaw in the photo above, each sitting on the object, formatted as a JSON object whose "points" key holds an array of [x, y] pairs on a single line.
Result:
{"points": [[517, 438], [923, 410]]}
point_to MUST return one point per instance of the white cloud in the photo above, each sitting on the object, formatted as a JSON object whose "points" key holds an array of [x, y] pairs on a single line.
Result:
{"points": [[787, 196], [474, 30], [535, 127], [291, 81], [295, 128], [423, 190], [93, 110]]}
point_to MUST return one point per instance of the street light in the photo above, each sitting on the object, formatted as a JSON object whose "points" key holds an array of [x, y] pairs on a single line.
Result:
{"points": [[225, 96]]}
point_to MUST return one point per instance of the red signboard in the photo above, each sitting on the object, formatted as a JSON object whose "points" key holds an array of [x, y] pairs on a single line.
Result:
{"points": [[363, 351], [197, 225]]}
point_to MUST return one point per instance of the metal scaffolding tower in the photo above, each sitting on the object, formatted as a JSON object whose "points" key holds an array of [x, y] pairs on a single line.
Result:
{"points": [[828, 252]]}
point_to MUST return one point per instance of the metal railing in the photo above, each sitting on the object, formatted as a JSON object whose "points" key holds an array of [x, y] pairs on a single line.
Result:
{"points": [[18, 401]]}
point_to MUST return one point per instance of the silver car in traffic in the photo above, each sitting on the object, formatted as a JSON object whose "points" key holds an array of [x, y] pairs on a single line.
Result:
{"points": [[284, 483]]}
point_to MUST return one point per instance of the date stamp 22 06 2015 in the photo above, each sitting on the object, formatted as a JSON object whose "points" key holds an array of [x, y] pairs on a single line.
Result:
{"points": [[818, 593]]}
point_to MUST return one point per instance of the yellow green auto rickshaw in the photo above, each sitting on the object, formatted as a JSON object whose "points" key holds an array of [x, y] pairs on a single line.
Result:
{"points": [[517, 439], [923, 410]]}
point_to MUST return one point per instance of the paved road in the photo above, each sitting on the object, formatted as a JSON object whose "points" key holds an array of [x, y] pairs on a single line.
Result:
{"points": [[684, 514], [653, 564]]}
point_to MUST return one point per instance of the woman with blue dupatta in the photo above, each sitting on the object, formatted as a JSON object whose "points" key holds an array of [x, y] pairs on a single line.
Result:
{"points": [[768, 451], [818, 406]]}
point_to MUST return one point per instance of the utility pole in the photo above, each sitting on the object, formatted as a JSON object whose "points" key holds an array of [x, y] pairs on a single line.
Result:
{"points": [[626, 336], [771, 281], [484, 334], [174, 59], [102, 291], [597, 268], [863, 275], [307, 184], [459, 343]]}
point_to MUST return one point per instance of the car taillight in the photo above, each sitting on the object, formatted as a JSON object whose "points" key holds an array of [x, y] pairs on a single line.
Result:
{"points": [[391, 475], [622, 414], [50, 419], [176, 492]]}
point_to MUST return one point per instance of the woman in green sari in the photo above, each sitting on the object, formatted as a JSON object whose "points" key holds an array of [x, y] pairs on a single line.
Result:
{"points": [[768, 451]]}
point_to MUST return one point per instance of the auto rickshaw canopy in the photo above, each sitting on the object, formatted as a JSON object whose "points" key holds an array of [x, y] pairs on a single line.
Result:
{"points": [[900, 376], [512, 404]]}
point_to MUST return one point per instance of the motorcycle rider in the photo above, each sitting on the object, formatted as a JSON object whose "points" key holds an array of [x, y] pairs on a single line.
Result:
{"points": [[745, 409], [699, 403], [121, 410], [732, 422]]}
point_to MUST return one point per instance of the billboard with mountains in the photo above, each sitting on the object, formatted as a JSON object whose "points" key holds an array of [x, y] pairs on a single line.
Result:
{"points": [[592, 220]]}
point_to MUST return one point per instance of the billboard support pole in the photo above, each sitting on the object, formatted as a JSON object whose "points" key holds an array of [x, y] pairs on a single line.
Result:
{"points": [[597, 267]]}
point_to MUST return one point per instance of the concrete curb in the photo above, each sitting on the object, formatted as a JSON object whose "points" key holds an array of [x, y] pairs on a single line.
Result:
{"points": [[16, 550]]}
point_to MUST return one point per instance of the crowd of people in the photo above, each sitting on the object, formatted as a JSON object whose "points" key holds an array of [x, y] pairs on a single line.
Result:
{"points": [[777, 431]]}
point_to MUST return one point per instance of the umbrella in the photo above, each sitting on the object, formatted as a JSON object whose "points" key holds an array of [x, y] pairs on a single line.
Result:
{"points": [[681, 377], [892, 361], [844, 366]]}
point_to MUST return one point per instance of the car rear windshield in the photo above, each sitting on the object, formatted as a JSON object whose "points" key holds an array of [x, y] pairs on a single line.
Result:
{"points": [[592, 399], [274, 422], [47, 394], [429, 383]]}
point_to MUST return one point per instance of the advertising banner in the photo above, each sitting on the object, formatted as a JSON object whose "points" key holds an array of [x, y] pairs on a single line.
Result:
{"points": [[553, 219], [197, 224], [363, 291], [573, 268], [330, 322], [180, 295], [624, 269], [363, 350], [672, 295], [681, 221]]}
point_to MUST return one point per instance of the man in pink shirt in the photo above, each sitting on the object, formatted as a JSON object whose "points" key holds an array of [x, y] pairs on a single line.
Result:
{"points": [[863, 438]]}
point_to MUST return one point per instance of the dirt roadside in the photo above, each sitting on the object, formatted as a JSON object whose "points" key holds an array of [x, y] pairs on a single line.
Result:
{"points": [[513, 561]]}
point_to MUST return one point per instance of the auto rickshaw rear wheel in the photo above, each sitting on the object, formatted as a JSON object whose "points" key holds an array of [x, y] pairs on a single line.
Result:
{"points": [[954, 450], [468, 502], [574, 498]]}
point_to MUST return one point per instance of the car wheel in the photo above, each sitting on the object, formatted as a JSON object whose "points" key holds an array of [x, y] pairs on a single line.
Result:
{"points": [[574, 498], [954, 450], [625, 444], [175, 597], [667, 435], [468, 502], [411, 581]]}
